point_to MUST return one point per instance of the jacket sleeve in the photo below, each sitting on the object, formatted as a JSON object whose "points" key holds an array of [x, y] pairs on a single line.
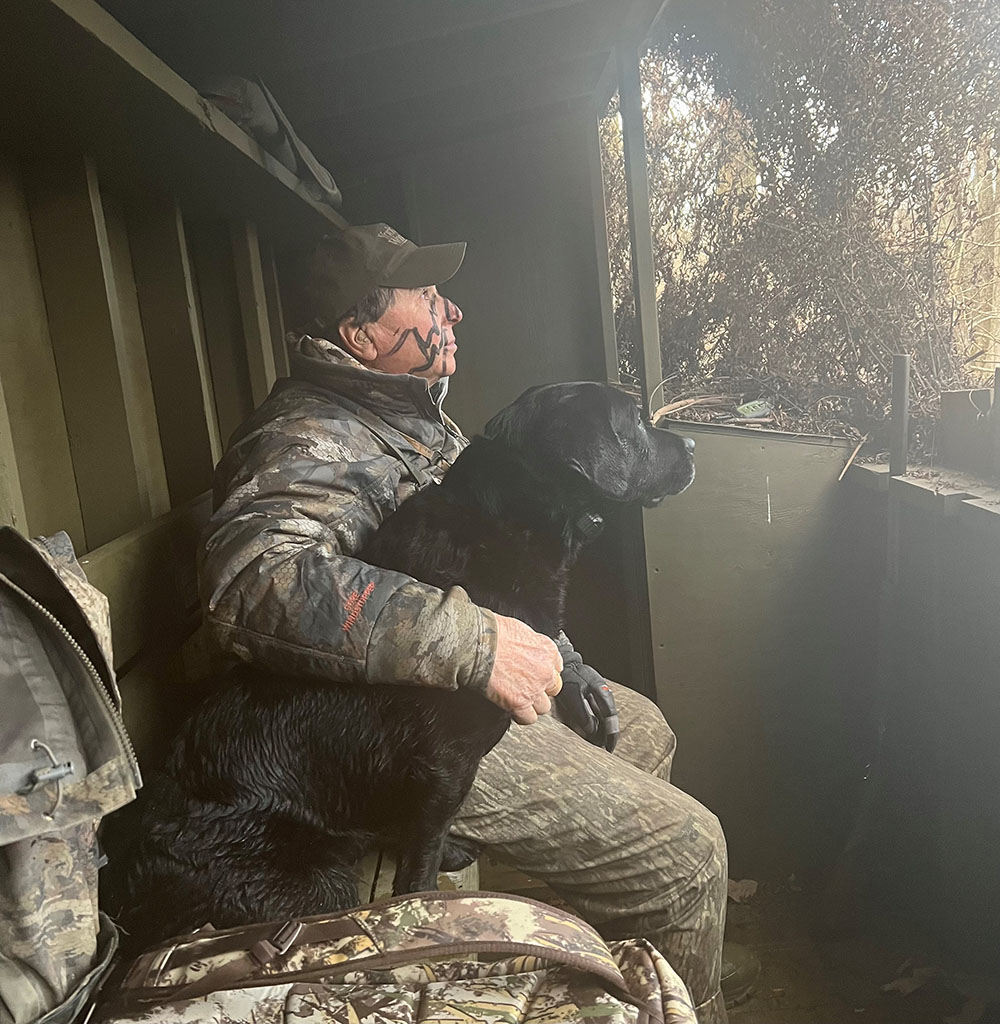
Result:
{"points": [[280, 588]]}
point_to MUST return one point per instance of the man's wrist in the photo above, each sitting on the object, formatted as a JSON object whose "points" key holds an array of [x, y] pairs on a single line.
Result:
{"points": [[485, 653]]}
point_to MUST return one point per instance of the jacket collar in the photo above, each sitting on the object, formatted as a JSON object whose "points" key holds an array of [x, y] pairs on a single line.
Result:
{"points": [[398, 398]]}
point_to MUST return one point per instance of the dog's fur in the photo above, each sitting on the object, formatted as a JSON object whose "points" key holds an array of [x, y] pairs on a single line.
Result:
{"points": [[277, 786]]}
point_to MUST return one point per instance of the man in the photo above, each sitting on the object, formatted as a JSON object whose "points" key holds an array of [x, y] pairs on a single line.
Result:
{"points": [[333, 450]]}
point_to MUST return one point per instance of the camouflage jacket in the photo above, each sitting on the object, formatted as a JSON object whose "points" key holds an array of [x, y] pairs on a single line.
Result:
{"points": [[305, 481], [65, 761]]}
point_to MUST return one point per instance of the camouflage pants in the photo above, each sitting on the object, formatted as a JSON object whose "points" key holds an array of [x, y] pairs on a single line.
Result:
{"points": [[632, 854]]}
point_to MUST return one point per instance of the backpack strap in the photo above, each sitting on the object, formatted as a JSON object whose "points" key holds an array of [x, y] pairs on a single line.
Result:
{"points": [[404, 930]]}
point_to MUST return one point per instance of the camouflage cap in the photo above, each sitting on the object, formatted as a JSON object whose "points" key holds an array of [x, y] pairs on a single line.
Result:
{"points": [[361, 258]]}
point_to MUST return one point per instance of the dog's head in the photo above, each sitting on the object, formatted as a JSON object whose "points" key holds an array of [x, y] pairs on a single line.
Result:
{"points": [[597, 434]]}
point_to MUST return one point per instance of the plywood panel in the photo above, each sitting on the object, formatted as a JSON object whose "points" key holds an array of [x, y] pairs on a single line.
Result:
{"points": [[149, 577], [175, 348], [253, 309], [529, 284], [210, 245], [761, 619], [157, 695], [37, 429], [85, 326]]}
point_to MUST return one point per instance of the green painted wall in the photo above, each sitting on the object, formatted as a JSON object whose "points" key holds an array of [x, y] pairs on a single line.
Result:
{"points": [[930, 843], [528, 287], [763, 584]]}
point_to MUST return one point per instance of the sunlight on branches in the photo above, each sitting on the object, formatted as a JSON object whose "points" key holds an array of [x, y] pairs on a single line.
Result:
{"points": [[823, 193]]}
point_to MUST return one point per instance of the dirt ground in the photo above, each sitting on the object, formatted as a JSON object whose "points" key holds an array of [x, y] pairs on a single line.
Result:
{"points": [[806, 979]]}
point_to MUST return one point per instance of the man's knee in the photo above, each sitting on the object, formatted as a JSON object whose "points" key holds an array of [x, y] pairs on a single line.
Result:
{"points": [[694, 855], [647, 741]]}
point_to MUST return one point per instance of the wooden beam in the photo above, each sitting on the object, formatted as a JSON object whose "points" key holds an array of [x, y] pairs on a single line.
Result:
{"points": [[640, 231], [404, 127], [636, 27], [37, 440], [275, 311], [141, 121], [137, 389], [81, 298], [191, 34], [253, 309], [370, 28], [175, 348], [344, 82], [12, 511], [651, 373]]}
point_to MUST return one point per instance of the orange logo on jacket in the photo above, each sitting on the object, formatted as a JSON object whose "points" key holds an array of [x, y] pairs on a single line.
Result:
{"points": [[354, 603]]}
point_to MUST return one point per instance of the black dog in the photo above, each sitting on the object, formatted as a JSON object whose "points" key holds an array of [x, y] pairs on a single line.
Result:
{"points": [[277, 786]]}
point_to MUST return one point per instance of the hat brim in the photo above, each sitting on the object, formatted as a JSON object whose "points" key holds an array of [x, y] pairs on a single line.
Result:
{"points": [[426, 265]]}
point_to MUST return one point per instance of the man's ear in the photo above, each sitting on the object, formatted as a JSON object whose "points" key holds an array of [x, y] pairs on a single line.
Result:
{"points": [[355, 340]]}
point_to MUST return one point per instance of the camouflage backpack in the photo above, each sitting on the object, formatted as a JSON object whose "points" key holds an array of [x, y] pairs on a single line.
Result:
{"points": [[64, 762], [479, 958]]}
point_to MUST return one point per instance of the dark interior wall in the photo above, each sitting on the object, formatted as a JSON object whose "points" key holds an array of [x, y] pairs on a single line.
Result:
{"points": [[522, 198], [528, 287], [933, 837]]}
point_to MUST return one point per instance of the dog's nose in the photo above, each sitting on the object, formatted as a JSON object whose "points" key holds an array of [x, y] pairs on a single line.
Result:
{"points": [[689, 443]]}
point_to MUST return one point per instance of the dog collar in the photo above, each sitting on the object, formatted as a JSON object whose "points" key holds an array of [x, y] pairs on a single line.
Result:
{"points": [[589, 526]]}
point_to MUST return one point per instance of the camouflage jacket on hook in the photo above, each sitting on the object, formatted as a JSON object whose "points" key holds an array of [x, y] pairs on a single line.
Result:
{"points": [[304, 483], [65, 761]]}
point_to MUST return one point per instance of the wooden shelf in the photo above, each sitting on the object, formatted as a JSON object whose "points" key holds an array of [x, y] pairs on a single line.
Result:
{"points": [[75, 80]]}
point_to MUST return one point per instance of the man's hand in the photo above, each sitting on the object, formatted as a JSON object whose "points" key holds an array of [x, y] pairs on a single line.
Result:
{"points": [[525, 671]]}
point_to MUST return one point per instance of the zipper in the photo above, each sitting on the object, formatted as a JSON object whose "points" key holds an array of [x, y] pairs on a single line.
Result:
{"points": [[95, 676]]}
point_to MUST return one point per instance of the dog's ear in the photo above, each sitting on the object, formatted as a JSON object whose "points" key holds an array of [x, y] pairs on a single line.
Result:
{"points": [[510, 425]]}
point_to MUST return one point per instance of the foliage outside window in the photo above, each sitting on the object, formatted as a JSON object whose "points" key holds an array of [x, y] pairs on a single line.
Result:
{"points": [[823, 191]]}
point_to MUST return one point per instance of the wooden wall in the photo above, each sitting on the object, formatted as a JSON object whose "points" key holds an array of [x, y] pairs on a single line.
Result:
{"points": [[133, 340]]}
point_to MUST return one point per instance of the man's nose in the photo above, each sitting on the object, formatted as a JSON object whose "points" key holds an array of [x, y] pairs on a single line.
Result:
{"points": [[452, 311], [688, 443]]}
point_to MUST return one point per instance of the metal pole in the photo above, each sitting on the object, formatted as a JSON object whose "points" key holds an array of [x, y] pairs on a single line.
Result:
{"points": [[900, 421], [640, 231], [604, 295]]}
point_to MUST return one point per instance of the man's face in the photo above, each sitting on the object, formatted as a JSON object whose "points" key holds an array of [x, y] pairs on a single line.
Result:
{"points": [[416, 334]]}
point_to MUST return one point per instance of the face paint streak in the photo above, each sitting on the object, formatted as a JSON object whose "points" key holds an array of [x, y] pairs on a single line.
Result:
{"points": [[402, 341], [420, 341], [429, 348]]}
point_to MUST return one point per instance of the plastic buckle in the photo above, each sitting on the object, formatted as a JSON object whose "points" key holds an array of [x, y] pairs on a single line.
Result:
{"points": [[286, 936], [278, 945]]}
